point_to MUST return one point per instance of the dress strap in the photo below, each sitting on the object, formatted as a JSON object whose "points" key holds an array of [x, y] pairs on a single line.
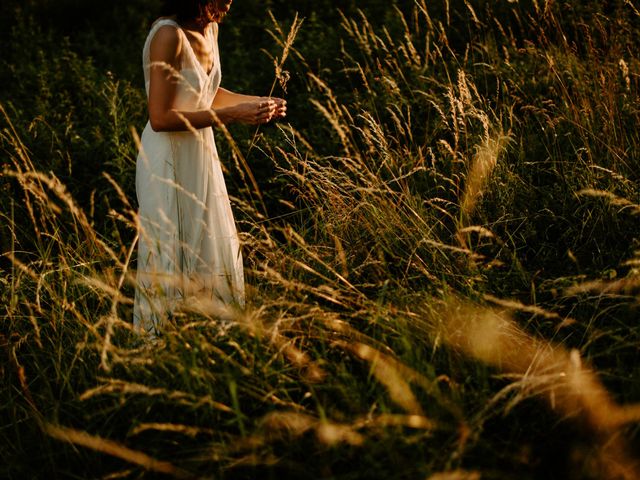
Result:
{"points": [[162, 22], [146, 51]]}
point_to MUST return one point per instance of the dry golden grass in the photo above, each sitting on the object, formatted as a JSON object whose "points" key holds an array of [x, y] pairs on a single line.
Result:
{"points": [[83, 439], [540, 368], [363, 298]]}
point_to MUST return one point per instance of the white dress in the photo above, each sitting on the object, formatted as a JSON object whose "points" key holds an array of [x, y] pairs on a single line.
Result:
{"points": [[188, 244]]}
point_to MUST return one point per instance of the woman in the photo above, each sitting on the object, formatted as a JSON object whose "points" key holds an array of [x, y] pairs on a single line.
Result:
{"points": [[188, 242]]}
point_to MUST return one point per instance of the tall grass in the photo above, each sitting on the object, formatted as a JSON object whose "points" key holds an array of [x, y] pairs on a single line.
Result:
{"points": [[443, 272]]}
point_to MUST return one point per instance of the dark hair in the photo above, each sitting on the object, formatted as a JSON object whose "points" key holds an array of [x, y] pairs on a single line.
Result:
{"points": [[204, 11]]}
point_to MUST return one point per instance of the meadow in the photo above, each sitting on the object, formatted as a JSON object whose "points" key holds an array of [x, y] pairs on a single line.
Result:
{"points": [[441, 246]]}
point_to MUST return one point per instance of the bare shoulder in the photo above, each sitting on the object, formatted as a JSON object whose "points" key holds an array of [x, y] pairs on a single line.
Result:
{"points": [[166, 43], [213, 26]]}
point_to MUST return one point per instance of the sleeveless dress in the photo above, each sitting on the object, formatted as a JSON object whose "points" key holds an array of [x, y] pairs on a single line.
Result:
{"points": [[188, 244]]}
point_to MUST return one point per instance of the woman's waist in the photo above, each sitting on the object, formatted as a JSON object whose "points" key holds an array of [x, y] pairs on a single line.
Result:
{"points": [[149, 132]]}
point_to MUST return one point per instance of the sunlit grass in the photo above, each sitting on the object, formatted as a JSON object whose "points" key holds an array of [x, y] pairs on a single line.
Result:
{"points": [[458, 242]]}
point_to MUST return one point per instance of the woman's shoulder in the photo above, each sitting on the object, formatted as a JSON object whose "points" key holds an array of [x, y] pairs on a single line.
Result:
{"points": [[213, 28], [166, 38], [165, 25]]}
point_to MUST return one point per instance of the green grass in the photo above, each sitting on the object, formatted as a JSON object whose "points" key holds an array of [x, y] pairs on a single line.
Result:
{"points": [[442, 260]]}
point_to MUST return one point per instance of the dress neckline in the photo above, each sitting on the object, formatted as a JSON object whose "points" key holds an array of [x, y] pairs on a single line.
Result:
{"points": [[208, 33]]}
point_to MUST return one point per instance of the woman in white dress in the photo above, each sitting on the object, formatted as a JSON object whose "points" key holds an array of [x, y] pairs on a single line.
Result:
{"points": [[188, 244]]}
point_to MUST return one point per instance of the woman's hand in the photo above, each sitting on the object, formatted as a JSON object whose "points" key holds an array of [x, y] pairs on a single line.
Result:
{"points": [[281, 107], [253, 112], [232, 107]]}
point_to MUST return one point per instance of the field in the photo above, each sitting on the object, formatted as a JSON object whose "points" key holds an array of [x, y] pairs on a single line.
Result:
{"points": [[441, 246]]}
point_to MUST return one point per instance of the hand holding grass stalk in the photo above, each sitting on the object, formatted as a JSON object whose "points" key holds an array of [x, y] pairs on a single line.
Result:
{"points": [[277, 107]]}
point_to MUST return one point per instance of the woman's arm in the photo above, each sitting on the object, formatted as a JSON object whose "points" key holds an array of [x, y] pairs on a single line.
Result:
{"points": [[225, 98], [227, 101], [164, 75], [227, 107]]}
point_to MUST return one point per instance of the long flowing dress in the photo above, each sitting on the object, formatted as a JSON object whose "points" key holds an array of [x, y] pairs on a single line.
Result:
{"points": [[188, 244]]}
